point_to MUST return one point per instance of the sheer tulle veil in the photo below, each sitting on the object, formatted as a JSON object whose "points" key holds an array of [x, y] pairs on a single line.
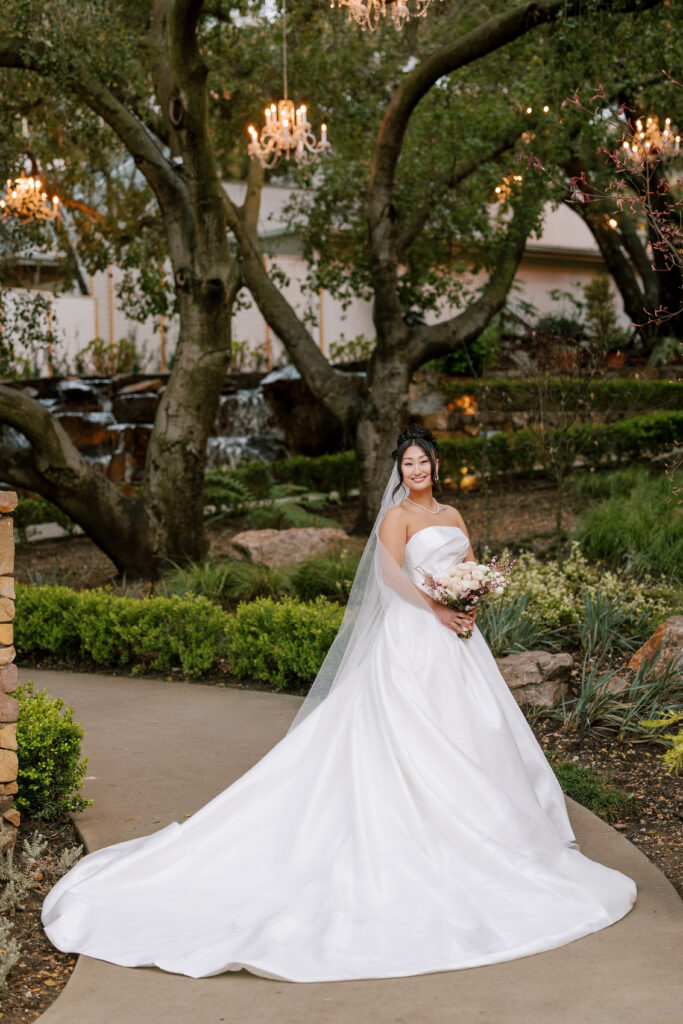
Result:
{"points": [[378, 582]]}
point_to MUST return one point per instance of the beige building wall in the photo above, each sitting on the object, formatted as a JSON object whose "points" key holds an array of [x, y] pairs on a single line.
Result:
{"points": [[564, 257]]}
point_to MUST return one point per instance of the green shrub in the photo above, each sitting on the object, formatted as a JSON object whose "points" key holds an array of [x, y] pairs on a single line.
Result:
{"points": [[282, 642], [34, 511], [509, 628], [515, 452], [337, 472], [591, 791], [285, 515], [619, 701], [641, 530], [556, 594], [673, 758], [620, 396], [51, 770], [226, 583], [96, 626], [328, 577]]}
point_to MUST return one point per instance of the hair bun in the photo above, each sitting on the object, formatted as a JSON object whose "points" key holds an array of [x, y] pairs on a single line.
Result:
{"points": [[414, 430], [415, 433]]}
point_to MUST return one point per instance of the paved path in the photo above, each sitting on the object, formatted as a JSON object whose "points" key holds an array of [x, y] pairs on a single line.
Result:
{"points": [[158, 751]]}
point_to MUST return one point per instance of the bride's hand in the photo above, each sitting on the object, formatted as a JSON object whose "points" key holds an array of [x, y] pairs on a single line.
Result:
{"points": [[458, 622]]}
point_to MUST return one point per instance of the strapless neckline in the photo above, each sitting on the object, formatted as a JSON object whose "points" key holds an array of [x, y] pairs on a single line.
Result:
{"points": [[434, 526]]}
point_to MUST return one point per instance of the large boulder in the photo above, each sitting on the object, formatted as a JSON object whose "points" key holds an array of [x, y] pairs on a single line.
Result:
{"points": [[537, 677], [289, 547], [668, 640]]}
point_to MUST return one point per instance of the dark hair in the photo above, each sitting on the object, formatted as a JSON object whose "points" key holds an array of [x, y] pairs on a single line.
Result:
{"points": [[424, 439]]}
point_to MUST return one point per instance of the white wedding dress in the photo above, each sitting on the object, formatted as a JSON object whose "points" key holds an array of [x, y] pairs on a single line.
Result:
{"points": [[409, 824]]}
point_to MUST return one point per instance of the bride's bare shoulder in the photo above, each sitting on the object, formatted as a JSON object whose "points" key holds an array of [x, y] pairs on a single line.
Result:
{"points": [[451, 516]]}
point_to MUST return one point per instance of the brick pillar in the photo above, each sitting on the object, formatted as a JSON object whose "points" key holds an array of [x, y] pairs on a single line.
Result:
{"points": [[9, 706]]}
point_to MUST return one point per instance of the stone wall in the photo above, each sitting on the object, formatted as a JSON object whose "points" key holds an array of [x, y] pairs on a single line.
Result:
{"points": [[9, 706]]}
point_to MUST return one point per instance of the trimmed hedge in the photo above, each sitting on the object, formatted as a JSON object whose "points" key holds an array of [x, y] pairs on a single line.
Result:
{"points": [[627, 440], [282, 642], [96, 626], [619, 396], [278, 642], [602, 445]]}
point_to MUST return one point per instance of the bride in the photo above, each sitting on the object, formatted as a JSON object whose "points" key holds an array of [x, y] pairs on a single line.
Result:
{"points": [[407, 823]]}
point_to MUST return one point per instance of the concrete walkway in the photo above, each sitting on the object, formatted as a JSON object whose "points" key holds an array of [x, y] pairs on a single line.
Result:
{"points": [[159, 750]]}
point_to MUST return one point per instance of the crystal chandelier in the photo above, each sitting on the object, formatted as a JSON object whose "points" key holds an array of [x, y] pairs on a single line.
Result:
{"points": [[25, 199], [650, 143], [369, 13], [287, 131]]}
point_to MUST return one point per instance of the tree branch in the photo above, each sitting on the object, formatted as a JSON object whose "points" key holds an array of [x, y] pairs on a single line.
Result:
{"points": [[491, 35], [328, 386], [438, 339], [461, 170], [162, 178]]}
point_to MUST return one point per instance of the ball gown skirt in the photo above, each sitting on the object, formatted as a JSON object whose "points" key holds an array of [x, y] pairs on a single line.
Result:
{"points": [[410, 824]]}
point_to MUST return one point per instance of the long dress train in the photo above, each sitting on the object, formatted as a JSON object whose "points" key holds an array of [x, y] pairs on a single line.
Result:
{"points": [[410, 824]]}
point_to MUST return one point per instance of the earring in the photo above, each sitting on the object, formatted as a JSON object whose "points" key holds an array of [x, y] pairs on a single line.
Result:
{"points": [[436, 478]]}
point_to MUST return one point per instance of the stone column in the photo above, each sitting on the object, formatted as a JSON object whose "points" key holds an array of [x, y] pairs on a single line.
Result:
{"points": [[9, 706]]}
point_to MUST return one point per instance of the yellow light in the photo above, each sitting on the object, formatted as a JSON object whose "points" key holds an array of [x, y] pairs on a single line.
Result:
{"points": [[529, 110], [613, 223], [546, 109]]}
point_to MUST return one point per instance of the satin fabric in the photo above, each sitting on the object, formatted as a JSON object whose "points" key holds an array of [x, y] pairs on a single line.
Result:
{"points": [[410, 824]]}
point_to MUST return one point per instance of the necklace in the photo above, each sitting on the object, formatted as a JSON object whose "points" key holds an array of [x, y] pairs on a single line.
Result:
{"points": [[431, 511]]}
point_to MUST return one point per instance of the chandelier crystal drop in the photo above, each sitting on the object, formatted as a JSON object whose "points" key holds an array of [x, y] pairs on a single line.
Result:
{"points": [[287, 132], [650, 143], [24, 198], [369, 13]]}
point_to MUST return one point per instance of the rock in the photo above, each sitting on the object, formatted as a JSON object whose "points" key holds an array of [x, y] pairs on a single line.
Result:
{"points": [[7, 837], [75, 394], [89, 432], [6, 612], [8, 501], [13, 816], [667, 639], [7, 655], [6, 546], [7, 587], [5, 803], [135, 407], [289, 547], [8, 736], [537, 677], [6, 632], [309, 429], [9, 787], [9, 678], [9, 766], [9, 708], [141, 386]]}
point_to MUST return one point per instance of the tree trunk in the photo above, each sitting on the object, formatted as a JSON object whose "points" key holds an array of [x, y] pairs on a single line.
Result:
{"points": [[383, 418]]}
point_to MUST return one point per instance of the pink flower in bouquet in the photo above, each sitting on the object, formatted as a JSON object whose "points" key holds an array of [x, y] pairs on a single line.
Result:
{"points": [[455, 587]]}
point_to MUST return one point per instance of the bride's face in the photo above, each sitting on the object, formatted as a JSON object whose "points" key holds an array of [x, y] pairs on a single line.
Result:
{"points": [[416, 469]]}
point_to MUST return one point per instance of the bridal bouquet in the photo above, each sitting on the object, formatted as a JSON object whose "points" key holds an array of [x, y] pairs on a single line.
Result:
{"points": [[464, 585]]}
